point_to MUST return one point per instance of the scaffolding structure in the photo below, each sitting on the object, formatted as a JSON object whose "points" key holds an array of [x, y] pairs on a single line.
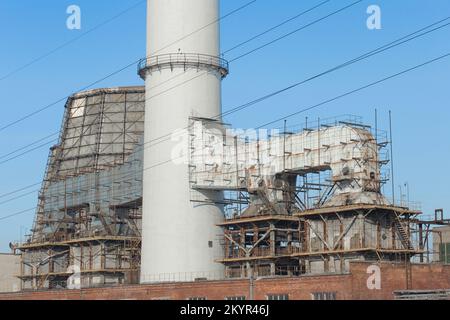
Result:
{"points": [[89, 213], [423, 228], [305, 232], [88, 218]]}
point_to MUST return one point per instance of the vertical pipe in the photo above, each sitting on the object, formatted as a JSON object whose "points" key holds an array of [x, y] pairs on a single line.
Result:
{"points": [[392, 158], [377, 149], [305, 178], [376, 126], [318, 156], [421, 241], [252, 288], [407, 192], [284, 146]]}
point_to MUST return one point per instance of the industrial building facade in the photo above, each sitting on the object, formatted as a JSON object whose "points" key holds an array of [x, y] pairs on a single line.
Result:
{"points": [[441, 244], [88, 221]]}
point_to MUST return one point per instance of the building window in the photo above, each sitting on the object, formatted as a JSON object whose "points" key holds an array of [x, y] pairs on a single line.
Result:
{"points": [[444, 253], [323, 295], [197, 298], [236, 298], [278, 297]]}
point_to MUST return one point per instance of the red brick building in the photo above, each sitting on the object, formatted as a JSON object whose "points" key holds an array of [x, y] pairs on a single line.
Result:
{"points": [[351, 286]]}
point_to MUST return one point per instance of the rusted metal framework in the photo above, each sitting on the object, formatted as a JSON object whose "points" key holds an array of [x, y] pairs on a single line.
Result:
{"points": [[423, 229], [88, 218], [96, 261], [261, 246], [304, 232], [316, 241]]}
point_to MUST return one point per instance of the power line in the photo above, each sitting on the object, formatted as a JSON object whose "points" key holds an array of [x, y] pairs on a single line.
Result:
{"points": [[67, 43], [170, 79], [21, 189], [204, 73], [376, 51], [30, 150], [412, 36], [304, 110], [350, 92], [204, 27], [297, 30], [28, 145], [8, 125], [369, 54], [34, 208], [357, 90], [255, 37], [19, 197], [276, 27], [194, 77], [337, 97], [17, 214], [402, 40]]}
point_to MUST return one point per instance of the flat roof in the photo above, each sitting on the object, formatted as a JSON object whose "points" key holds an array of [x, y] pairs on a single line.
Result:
{"points": [[443, 228], [111, 90], [325, 210]]}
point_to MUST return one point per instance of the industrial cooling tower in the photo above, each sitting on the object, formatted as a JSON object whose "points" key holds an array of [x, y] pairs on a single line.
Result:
{"points": [[89, 210]]}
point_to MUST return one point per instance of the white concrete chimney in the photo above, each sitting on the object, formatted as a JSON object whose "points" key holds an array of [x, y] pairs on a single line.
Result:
{"points": [[183, 74]]}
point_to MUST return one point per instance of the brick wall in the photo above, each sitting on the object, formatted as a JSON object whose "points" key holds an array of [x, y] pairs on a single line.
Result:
{"points": [[301, 288], [347, 287], [393, 277]]}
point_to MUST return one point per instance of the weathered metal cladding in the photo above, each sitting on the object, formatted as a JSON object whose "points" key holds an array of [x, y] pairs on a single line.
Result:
{"points": [[223, 161], [93, 159], [100, 129], [105, 191], [83, 218]]}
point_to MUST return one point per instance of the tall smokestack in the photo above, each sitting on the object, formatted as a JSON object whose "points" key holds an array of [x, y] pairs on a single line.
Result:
{"points": [[183, 73]]}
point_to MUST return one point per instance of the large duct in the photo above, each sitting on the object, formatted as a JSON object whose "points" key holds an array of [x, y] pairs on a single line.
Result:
{"points": [[183, 74], [223, 159]]}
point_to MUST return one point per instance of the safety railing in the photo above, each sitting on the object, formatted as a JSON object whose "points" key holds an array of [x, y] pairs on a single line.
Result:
{"points": [[410, 205], [186, 60]]}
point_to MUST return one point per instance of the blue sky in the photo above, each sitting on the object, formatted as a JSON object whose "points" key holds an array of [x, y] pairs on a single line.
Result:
{"points": [[419, 100]]}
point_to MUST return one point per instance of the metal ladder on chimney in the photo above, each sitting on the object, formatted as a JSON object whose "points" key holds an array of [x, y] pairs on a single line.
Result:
{"points": [[406, 241]]}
